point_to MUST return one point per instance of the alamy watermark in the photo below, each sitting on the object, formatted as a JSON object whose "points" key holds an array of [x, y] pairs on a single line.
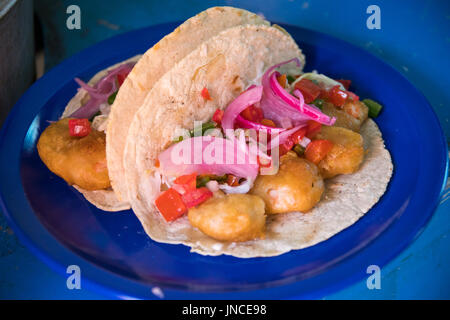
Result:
{"points": [[73, 21], [374, 20], [374, 280], [74, 279]]}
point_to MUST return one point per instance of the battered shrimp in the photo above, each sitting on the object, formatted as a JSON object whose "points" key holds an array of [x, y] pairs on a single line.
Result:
{"points": [[79, 161], [346, 154], [351, 116], [232, 217], [297, 186]]}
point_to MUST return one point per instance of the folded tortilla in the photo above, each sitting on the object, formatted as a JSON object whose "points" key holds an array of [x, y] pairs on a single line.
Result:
{"points": [[148, 69], [155, 63], [103, 199], [227, 64]]}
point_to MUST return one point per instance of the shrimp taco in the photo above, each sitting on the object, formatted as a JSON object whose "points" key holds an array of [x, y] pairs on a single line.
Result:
{"points": [[85, 147], [236, 151]]}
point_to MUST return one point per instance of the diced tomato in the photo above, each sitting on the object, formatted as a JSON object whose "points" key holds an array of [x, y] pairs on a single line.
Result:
{"points": [[186, 183], [232, 181], [317, 150], [337, 96], [170, 204], [268, 123], [352, 96], [217, 116], [252, 113], [157, 164], [186, 179], [196, 197], [313, 128], [286, 146], [79, 127], [324, 94], [345, 83], [309, 90], [293, 139], [282, 80], [205, 94], [298, 135], [282, 150]]}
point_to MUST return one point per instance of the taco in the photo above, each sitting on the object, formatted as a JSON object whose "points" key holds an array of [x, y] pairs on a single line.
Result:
{"points": [[300, 169], [74, 147], [154, 63], [102, 110]]}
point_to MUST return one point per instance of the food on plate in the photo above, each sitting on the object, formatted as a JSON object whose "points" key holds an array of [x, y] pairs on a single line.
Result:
{"points": [[297, 186], [345, 155], [351, 116], [111, 110], [334, 99], [237, 132], [76, 156], [233, 217], [219, 140], [88, 110]]}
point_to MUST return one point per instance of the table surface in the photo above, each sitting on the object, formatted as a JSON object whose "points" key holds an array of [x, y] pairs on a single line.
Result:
{"points": [[414, 38]]}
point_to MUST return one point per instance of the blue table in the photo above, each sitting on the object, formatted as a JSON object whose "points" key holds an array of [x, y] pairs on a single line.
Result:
{"points": [[414, 38]]}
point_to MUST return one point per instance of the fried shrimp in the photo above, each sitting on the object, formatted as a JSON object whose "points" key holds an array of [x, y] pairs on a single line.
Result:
{"points": [[232, 217], [351, 115], [345, 156], [297, 186], [79, 161]]}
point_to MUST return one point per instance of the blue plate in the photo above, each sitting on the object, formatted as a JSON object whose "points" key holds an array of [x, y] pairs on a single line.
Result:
{"points": [[117, 258]]}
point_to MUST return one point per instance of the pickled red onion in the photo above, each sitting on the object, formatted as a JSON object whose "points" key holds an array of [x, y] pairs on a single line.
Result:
{"points": [[279, 105], [228, 158], [283, 136], [100, 92], [247, 124], [251, 96]]}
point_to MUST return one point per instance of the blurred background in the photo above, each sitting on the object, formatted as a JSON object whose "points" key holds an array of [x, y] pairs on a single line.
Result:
{"points": [[414, 38]]}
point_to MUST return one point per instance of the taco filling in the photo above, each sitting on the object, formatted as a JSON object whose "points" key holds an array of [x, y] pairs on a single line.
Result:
{"points": [[268, 152], [74, 147]]}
